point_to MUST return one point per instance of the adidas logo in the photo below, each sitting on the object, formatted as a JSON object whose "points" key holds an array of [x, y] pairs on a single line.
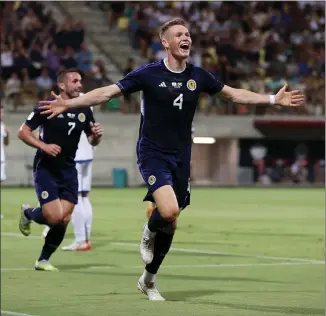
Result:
{"points": [[60, 116], [162, 85]]}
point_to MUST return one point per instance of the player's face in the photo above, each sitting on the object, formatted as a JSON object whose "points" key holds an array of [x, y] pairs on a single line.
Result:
{"points": [[73, 84], [178, 41]]}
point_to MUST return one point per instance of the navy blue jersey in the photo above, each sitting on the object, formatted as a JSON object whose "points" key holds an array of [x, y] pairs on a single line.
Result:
{"points": [[63, 130], [169, 101]]}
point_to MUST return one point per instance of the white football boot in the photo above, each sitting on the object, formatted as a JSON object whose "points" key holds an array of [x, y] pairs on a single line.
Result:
{"points": [[147, 245], [148, 288]]}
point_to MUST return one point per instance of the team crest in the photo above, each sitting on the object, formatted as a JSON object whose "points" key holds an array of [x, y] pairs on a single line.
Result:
{"points": [[45, 195], [191, 85], [151, 180], [81, 117]]}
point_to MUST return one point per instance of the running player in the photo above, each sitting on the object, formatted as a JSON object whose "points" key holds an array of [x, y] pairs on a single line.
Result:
{"points": [[82, 215], [171, 89], [55, 174]]}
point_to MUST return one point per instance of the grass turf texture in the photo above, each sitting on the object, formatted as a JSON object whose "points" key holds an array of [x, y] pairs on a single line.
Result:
{"points": [[202, 276]]}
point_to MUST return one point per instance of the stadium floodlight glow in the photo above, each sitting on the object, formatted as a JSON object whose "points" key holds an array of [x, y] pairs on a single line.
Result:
{"points": [[204, 140]]}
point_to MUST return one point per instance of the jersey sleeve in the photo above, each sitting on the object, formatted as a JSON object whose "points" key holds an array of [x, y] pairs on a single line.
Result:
{"points": [[209, 83], [89, 118], [132, 82], [35, 119]]}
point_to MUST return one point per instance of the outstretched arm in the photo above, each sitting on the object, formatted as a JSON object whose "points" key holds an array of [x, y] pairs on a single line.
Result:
{"points": [[92, 98], [283, 98]]}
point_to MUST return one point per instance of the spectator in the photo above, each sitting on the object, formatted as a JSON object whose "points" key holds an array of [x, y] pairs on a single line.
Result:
{"points": [[84, 59], [68, 60], [7, 61], [44, 84], [13, 90]]}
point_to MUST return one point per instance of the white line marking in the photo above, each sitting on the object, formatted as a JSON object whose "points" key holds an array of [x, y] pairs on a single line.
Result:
{"points": [[182, 266], [16, 269], [223, 265], [14, 313], [205, 252], [209, 252]]}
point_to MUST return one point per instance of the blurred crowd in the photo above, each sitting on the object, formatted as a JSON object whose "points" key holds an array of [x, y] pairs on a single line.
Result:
{"points": [[34, 47], [252, 45]]}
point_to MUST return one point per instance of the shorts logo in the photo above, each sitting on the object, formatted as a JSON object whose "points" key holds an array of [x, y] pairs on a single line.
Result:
{"points": [[191, 85], [151, 180], [45, 195], [81, 117]]}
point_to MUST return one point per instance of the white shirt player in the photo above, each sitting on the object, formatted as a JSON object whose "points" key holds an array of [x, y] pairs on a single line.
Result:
{"points": [[85, 149], [3, 136]]}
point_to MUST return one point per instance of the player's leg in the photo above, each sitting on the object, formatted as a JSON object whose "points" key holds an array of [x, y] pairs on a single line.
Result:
{"points": [[49, 212], [88, 209], [163, 241], [164, 237], [158, 175], [77, 218], [3, 177], [54, 238]]}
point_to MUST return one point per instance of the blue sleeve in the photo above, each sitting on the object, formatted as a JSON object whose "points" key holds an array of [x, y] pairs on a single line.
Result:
{"points": [[89, 118], [209, 83], [35, 119], [132, 82]]}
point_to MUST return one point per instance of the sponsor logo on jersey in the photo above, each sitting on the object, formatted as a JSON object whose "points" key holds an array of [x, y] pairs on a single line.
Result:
{"points": [[191, 85]]}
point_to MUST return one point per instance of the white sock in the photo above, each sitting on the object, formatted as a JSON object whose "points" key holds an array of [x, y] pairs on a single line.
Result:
{"points": [[88, 213], [148, 277], [78, 221]]}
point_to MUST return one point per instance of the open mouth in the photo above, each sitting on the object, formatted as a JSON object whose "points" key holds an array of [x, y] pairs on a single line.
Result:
{"points": [[185, 46]]}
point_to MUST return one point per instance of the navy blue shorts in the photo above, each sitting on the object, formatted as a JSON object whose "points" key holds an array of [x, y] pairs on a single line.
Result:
{"points": [[158, 169], [49, 187]]}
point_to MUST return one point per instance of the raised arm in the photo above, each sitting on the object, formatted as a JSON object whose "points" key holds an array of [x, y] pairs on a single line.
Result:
{"points": [[283, 98], [92, 98]]}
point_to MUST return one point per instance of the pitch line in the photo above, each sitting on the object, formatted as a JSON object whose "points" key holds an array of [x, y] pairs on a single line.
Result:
{"points": [[196, 251], [14, 313]]}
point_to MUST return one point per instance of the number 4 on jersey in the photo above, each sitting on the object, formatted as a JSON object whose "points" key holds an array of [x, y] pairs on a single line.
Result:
{"points": [[178, 101]]}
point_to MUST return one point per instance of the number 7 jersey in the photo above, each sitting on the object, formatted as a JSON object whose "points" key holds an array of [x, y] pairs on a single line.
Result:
{"points": [[168, 102], [63, 130]]}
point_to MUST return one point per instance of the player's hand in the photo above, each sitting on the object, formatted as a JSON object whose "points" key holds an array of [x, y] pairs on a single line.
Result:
{"points": [[54, 107], [96, 130], [52, 149], [291, 98]]}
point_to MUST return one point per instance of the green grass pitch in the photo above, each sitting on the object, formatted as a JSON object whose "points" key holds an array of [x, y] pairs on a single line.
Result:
{"points": [[237, 252]]}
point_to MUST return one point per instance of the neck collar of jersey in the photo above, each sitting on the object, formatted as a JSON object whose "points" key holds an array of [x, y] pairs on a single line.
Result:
{"points": [[167, 67]]}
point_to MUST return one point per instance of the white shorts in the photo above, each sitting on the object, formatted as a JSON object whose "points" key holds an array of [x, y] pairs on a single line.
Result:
{"points": [[3, 171], [84, 170]]}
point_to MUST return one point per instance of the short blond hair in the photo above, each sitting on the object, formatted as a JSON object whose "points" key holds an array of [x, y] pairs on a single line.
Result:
{"points": [[167, 25]]}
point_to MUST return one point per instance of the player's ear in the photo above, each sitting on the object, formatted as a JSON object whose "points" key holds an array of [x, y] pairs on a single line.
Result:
{"points": [[61, 85], [165, 43]]}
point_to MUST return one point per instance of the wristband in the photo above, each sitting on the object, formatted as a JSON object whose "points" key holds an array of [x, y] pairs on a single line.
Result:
{"points": [[272, 99]]}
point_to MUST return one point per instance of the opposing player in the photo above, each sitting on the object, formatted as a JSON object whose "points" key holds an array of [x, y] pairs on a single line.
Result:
{"points": [[4, 142], [82, 215], [55, 174], [171, 89]]}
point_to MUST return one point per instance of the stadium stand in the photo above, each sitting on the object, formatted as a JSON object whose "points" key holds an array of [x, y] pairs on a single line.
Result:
{"points": [[257, 46], [34, 47]]}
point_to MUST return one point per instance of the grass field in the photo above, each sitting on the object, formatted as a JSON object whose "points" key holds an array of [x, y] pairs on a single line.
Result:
{"points": [[238, 252]]}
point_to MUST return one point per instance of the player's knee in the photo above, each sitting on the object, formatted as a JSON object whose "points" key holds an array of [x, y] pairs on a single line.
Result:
{"points": [[171, 213], [54, 218], [67, 219], [170, 230]]}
